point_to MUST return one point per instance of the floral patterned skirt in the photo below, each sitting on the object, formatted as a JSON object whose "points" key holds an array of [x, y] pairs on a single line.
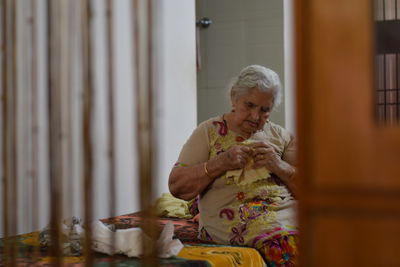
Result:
{"points": [[277, 249], [281, 250]]}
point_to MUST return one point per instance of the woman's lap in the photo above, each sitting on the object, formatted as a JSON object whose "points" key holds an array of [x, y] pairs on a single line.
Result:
{"points": [[278, 250], [281, 250]]}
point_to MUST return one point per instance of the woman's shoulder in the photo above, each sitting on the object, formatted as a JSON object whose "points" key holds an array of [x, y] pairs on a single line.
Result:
{"points": [[215, 128], [275, 127], [211, 123], [277, 131]]}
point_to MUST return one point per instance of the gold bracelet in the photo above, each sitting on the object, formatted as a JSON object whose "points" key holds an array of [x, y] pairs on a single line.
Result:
{"points": [[205, 170]]}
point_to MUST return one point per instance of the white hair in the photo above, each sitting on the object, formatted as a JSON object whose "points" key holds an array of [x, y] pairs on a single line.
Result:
{"points": [[266, 80]]}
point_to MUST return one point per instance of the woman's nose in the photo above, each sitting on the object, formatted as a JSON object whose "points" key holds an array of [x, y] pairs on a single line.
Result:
{"points": [[255, 115]]}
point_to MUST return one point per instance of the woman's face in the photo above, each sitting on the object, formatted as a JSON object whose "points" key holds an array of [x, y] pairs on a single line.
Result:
{"points": [[252, 110]]}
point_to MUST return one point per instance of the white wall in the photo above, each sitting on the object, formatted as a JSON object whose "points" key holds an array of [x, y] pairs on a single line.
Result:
{"points": [[175, 107], [177, 68], [125, 119]]}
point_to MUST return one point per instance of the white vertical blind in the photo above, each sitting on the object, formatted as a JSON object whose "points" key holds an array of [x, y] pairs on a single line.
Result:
{"points": [[175, 59]]}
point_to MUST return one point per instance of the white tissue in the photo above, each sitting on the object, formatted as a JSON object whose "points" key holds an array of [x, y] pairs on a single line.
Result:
{"points": [[129, 241], [168, 247]]}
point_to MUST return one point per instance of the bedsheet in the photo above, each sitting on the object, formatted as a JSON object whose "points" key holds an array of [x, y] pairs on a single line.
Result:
{"points": [[195, 252]]}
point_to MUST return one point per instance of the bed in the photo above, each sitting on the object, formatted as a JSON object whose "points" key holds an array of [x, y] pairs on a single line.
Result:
{"points": [[195, 252]]}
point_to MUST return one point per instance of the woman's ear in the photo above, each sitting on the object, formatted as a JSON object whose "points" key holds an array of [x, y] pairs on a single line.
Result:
{"points": [[233, 100], [233, 95], [233, 106]]}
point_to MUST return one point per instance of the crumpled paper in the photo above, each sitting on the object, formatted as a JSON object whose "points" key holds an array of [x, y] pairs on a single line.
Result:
{"points": [[129, 241], [72, 235], [168, 246]]}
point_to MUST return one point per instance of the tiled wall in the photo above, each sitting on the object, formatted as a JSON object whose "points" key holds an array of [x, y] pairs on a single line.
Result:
{"points": [[243, 32]]}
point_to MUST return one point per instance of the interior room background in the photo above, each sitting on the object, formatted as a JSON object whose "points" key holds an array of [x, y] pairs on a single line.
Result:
{"points": [[242, 33]]}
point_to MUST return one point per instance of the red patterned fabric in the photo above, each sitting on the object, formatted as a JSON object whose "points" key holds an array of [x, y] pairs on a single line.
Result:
{"points": [[280, 251], [185, 230]]}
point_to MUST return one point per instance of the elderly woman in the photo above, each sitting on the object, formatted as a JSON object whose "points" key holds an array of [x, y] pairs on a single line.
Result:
{"points": [[242, 166]]}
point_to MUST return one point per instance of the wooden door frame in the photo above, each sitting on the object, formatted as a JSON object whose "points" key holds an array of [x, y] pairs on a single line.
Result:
{"points": [[348, 162]]}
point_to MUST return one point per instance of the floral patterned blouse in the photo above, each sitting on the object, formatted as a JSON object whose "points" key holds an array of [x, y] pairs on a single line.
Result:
{"points": [[241, 214]]}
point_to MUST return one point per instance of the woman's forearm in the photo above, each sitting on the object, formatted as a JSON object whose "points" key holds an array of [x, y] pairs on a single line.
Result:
{"points": [[187, 182], [286, 173]]}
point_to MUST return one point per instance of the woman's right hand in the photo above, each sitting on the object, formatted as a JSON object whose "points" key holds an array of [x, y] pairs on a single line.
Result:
{"points": [[235, 157]]}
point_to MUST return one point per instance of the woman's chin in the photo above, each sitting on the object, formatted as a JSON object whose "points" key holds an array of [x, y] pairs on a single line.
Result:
{"points": [[252, 128]]}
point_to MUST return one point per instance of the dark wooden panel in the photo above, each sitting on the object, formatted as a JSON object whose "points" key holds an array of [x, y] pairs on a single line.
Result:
{"points": [[336, 104], [356, 239], [341, 60], [345, 199], [349, 164], [386, 157]]}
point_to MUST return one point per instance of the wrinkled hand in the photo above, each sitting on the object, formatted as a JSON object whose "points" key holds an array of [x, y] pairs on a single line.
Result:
{"points": [[264, 155], [236, 157]]}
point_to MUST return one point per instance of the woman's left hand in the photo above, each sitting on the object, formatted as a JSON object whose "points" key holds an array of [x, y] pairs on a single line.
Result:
{"points": [[264, 155]]}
